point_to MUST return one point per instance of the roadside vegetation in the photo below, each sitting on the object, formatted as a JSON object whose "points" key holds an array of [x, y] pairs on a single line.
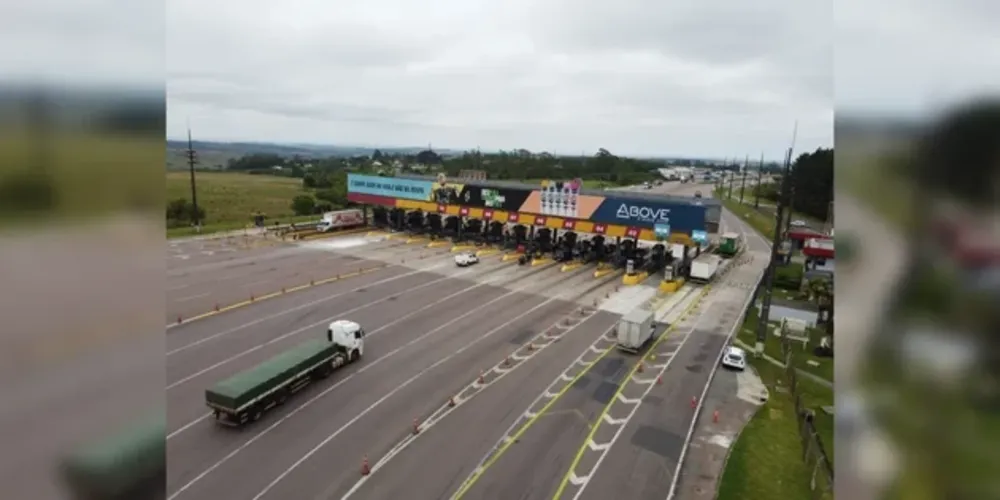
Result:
{"points": [[765, 463]]}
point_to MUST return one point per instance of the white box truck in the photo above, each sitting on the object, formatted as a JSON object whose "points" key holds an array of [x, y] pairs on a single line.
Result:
{"points": [[635, 329], [704, 267]]}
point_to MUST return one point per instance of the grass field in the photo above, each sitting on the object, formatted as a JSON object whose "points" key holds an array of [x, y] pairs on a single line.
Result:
{"points": [[766, 461], [229, 199], [772, 347]]}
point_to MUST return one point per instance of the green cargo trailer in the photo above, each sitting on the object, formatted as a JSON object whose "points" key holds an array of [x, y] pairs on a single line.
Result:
{"points": [[248, 394], [130, 464], [729, 244]]}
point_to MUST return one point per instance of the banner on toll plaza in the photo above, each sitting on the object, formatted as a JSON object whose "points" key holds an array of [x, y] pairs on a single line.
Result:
{"points": [[390, 187], [506, 199], [679, 216]]}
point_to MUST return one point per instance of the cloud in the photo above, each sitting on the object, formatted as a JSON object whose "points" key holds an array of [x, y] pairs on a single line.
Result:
{"points": [[634, 76]]}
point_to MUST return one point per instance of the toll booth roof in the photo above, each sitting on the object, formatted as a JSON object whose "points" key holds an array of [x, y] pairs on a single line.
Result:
{"points": [[625, 195]]}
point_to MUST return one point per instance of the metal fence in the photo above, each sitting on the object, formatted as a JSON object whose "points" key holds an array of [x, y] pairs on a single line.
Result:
{"points": [[813, 452]]}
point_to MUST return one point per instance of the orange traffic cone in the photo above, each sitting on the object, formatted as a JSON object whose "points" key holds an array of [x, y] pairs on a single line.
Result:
{"points": [[715, 416], [482, 377], [659, 380], [216, 307], [365, 469], [639, 368], [694, 402], [179, 319], [416, 427], [451, 402]]}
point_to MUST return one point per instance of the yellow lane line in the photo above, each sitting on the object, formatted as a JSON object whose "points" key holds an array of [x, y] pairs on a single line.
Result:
{"points": [[272, 295], [614, 398]]}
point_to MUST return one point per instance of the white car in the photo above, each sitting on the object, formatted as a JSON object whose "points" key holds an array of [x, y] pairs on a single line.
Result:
{"points": [[466, 259], [734, 358]]}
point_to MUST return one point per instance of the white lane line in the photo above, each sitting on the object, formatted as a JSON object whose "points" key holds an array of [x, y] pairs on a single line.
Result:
{"points": [[442, 412], [331, 318], [192, 297], [299, 307], [636, 403], [704, 391], [394, 391], [368, 366]]}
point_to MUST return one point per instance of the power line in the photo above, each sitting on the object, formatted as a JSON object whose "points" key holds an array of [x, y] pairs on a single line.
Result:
{"points": [[743, 181]]}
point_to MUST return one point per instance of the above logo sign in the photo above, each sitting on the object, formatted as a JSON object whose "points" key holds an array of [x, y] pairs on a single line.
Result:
{"points": [[679, 216], [642, 213]]}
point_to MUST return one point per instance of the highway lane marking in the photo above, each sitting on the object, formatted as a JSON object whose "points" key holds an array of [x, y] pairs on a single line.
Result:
{"points": [[192, 297], [351, 376], [279, 293], [341, 313], [332, 436], [540, 341], [371, 333], [704, 391], [299, 307], [635, 403], [504, 444]]}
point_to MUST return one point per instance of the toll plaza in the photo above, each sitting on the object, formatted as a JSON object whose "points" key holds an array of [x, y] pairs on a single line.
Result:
{"points": [[643, 233]]}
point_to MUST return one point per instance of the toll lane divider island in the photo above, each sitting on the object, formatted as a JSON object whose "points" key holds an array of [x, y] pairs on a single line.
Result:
{"points": [[564, 382], [365, 368], [518, 358], [559, 297]]}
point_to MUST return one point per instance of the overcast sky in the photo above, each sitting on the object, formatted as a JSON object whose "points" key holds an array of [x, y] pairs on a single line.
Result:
{"points": [[718, 78]]}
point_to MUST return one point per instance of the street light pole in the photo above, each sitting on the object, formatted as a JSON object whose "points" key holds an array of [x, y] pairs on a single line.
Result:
{"points": [[743, 181]]}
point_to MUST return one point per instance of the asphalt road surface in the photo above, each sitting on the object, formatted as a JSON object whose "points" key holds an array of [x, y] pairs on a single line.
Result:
{"points": [[433, 329]]}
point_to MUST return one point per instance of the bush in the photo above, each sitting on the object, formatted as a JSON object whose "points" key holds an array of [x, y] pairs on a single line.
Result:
{"points": [[304, 204], [180, 211], [789, 277]]}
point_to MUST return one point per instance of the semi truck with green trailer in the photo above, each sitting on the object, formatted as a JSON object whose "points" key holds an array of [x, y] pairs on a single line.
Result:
{"points": [[245, 397], [130, 464]]}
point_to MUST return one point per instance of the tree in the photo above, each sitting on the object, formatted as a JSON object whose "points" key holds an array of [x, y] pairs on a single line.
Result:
{"points": [[304, 204], [812, 183]]}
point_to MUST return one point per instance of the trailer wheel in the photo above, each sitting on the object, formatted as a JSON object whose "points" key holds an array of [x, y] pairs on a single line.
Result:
{"points": [[323, 371], [257, 412], [281, 397]]}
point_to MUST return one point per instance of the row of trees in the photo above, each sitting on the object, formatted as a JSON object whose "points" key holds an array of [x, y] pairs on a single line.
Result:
{"points": [[812, 185]]}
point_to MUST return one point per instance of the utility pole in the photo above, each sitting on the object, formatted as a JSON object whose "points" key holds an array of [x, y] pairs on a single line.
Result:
{"points": [[743, 181], [760, 169], [768, 285], [732, 177], [192, 158]]}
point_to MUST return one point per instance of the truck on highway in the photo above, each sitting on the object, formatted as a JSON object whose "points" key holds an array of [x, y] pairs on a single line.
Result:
{"points": [[244, 397], [729, 244], [704, 267], [129, 464], [635, 330], [340, 219]]}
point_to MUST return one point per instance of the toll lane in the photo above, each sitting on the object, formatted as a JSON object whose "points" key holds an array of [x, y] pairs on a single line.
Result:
{"points": [[644, 447], [460, 440], [353, 405], [460, 359]]}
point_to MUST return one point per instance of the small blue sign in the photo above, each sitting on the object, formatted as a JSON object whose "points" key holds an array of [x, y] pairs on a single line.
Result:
{"points": [[662, 231], [699, 236], [391, 187]]}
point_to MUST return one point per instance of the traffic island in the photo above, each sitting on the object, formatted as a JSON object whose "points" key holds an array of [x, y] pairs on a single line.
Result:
{"points": [[634, 279], [438, 244], [417, 239], [486, 252], [511, 256], [603, 271], [462, 248], [671, 286], [571, 266], [540, 262]]}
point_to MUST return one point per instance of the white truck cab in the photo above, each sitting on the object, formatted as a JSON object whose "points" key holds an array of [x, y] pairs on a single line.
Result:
{"points": [[348, 335], [734, 358]]}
